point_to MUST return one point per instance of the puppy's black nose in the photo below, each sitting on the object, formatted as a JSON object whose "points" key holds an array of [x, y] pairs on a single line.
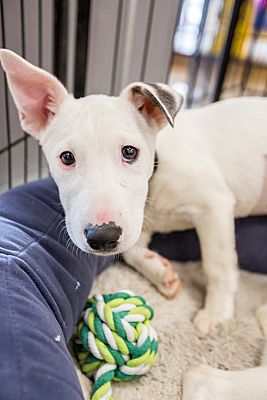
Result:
{"points": [[104, 237]]}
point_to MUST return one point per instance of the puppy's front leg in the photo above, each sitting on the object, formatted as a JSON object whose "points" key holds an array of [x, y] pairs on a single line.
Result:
{"points": [[152, 266], [215, 228]]}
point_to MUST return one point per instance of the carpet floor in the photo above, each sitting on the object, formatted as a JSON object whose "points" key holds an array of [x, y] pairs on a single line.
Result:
{"points": [[235, 345]]}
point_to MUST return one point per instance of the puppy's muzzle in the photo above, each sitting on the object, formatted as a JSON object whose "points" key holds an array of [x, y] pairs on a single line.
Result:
{"points": [[103, 238]]}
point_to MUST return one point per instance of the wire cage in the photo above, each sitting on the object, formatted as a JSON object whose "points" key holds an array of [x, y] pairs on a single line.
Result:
{"points": [[227, 55], [95, 46]]}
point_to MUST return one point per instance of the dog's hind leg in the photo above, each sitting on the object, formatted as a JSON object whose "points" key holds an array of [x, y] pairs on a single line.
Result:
{"points": [[152, 266]]}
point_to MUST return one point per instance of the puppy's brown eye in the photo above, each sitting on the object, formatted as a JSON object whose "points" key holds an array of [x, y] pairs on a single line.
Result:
{"points": [[129, 153], [67, 158]]}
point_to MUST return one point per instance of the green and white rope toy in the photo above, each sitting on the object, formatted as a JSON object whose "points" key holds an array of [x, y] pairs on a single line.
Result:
{"points": [[115, 340]]}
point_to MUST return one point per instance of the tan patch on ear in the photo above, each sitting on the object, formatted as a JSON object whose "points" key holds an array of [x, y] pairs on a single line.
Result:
{"points": [[261, 205], [150, 107], [152, 111]]}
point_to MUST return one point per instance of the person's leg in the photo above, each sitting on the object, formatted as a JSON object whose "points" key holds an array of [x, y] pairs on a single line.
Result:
{"points": [[251, 237], [43, 288], [35, 362]]}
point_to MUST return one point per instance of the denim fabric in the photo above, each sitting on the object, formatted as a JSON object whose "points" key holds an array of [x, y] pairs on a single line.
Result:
{"points": [[251, 244], [43, 288]]}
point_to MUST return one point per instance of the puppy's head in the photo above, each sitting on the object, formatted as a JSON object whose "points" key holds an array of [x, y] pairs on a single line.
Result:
{"points": [[100, 150]]}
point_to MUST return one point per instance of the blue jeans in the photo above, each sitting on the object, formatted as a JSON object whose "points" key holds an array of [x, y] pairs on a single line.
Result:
{"points": [[43, 288]]}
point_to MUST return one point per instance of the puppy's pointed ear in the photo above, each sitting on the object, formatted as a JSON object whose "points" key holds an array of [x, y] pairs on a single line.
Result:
{"points": [[36, 93], [156, 102]]}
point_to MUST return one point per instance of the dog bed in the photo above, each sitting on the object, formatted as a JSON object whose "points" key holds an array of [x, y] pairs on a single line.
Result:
{"points": [[236, 345]]}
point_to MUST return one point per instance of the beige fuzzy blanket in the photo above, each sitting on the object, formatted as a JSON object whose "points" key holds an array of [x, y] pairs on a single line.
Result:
{"points": [[236, 345]]}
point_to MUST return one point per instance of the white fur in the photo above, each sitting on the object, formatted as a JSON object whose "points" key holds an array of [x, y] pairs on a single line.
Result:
{"points": [[211, 168]]}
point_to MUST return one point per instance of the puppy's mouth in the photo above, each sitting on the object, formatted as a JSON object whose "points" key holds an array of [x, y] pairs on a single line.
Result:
{"points": [[104, 253], [120, 248], [101, 253], [116, 250]]}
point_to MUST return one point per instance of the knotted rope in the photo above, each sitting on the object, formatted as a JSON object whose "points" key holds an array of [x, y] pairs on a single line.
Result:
{"points": [[115, 340]]}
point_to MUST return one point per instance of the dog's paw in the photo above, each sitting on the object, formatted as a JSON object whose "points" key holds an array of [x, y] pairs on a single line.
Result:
{"points": [[202, 383], [170, 291], [205, 322], [163, 275]]}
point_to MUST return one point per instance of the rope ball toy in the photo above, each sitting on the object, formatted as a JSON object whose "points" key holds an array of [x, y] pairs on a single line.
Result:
{"points": [[115, 340]]}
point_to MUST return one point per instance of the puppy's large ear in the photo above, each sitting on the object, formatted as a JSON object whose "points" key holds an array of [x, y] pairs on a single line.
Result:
{"points": [[156, 102], [37, 94]]}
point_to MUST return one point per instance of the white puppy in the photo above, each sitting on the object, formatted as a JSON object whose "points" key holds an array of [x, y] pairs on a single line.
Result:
{"points": [[100, 152]]}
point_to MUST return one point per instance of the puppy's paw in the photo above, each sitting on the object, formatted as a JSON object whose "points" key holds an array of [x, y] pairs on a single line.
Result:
{"points": [[163, 275], [206, 322], [170, 291]]}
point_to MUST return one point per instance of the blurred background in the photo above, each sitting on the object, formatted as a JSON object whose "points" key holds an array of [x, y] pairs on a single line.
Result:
{"points": [[220, 50], [205, 49]]}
